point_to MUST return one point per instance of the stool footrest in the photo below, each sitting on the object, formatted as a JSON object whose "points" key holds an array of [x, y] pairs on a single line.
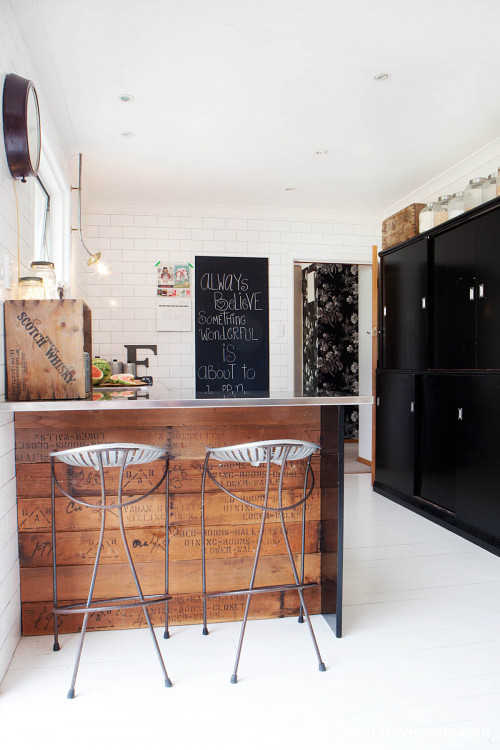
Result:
{"points": [[102, 605], [262, 590]]}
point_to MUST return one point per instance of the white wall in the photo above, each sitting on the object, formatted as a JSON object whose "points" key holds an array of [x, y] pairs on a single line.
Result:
{"points": [[134, 239], [14, 58], [11, 61]]}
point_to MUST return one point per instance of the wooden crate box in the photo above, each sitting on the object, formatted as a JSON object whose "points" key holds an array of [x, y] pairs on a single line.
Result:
{"points": [[45, 341], [401, 226]]}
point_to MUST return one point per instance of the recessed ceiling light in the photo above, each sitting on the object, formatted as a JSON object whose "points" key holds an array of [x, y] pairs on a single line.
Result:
{"points": [[126, 98], [321, 152], [128, 134], [382, 77], [290, 188]]}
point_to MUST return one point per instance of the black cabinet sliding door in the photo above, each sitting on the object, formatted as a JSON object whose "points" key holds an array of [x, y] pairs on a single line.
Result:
{"points": [[395, 427], [437, 426], [454, 299], [404, 308], [488, 290], [478, 454]]}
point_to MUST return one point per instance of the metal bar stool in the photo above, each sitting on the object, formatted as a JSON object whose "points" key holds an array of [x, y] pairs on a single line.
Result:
{"points": [[281, 453], [117, 456]]}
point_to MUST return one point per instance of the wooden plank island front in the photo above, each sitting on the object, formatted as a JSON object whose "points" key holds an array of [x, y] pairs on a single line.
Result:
{"points": [[231, 527]]}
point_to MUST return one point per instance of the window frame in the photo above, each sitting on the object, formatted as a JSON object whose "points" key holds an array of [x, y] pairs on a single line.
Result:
{"points": [[52, 180]]}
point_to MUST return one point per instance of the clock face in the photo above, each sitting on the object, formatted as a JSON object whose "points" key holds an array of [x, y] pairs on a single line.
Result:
{"points": [[33, 129]]}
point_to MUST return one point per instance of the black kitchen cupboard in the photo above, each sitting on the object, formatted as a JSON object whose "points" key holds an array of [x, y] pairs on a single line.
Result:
{"points": [[466, 295], [443, 459], [404, 307], [488, 290], [478, 452], [395, 426], [454, 299], [437, 450]]}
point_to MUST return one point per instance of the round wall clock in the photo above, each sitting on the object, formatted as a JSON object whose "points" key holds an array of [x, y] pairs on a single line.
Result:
{"points": [[21, 126]]}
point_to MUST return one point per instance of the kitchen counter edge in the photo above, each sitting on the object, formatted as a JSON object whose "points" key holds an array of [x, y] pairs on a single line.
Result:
{"points": [[84, 405]]}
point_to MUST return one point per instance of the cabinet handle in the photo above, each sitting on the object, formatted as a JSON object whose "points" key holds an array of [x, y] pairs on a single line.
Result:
{"points": [[481, 290], [460, 413], [378, 400], [471, 293], [424, 303], [412, 406], [385, 311]]}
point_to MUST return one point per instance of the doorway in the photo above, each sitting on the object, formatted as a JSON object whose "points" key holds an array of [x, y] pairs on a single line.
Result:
{"points": [[332, 339]]}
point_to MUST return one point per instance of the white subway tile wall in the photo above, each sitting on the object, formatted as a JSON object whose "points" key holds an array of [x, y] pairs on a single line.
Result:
{"points": [[11, 60], [124, 303]]}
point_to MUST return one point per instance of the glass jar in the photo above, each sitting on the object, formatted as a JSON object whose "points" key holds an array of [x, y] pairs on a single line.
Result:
{"points": [[473, 193], [425, 218], [45, 270], [456, 205], [30, 287], [490, 187], [440, 210]]}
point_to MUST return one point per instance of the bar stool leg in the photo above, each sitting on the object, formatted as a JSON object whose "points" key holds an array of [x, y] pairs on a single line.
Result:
{"points": [[166, 634], [302, 555], [203, 560], [168, 682], [56, 646], [303, 607], [234, 676], [71, 691], [321, 664]]}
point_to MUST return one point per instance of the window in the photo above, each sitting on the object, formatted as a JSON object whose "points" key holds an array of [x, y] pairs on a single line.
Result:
{"points": [[52, 215], [41, 222]]}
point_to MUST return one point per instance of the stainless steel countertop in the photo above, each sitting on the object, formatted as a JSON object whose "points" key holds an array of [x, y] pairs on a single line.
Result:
{"points": [[151, 398]]}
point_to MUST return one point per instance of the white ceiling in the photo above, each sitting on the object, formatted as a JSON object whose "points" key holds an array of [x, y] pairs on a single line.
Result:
{"points": [[233, 97]]}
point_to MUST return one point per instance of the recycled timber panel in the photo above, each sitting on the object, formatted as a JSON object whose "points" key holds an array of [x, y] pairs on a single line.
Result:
{"points": [[73, 581], [232, 527], [183, 610]]}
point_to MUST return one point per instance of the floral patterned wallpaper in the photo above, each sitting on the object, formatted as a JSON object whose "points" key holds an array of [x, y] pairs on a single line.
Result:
{"points": [[330, 326]]}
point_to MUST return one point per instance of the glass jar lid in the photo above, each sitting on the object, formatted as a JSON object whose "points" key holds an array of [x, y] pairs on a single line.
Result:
{"points": [[46, 263], [444, 198], [476, 181], [30, 280], [492, 176], [458, 194]]}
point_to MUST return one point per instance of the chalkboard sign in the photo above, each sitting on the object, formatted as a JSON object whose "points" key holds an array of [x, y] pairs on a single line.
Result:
{"points": [[231, 327]]}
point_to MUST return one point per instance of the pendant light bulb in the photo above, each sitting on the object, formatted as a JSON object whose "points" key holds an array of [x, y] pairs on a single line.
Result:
{"points": [[94, 258]]}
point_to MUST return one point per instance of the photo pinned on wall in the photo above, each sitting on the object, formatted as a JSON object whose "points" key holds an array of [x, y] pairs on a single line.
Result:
{"points": [[174, 307], [174, 280]]}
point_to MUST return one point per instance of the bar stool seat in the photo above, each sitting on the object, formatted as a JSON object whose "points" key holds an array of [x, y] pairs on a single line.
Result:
{"points": [[101, 457], [281, 453]]}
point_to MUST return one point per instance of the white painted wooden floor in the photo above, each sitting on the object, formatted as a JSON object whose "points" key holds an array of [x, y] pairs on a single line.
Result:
{"points": [[418, 666]]}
